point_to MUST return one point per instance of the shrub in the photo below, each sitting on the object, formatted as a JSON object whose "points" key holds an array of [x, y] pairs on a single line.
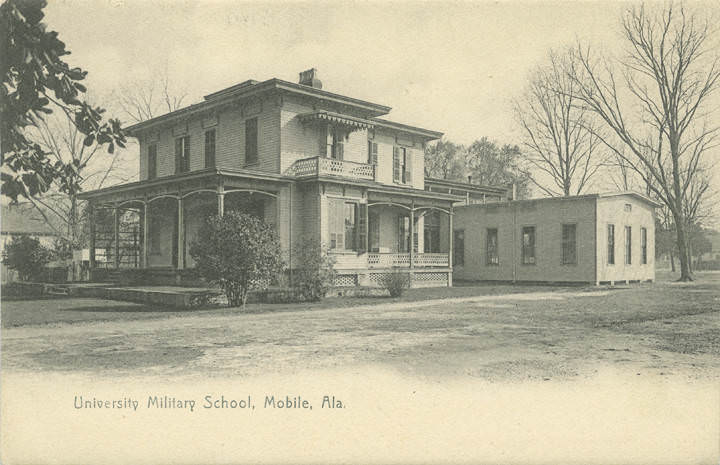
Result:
{"points": [[316, 274], [239, 253], [395, 283], [27, 256]]}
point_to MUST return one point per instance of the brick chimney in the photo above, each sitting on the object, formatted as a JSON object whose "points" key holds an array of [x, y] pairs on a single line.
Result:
{"points": [[309, 78]]}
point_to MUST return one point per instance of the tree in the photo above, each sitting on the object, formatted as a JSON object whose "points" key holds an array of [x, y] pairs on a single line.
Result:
{"points": [[492, 165], [239, 253], [561, 141], [445, 160], [659, 115], [27, 256], [36, 81], [145, 99], [316, 273]]}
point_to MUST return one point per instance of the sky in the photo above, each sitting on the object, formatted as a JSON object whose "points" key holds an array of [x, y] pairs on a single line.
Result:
{"points": [[452, 67]]}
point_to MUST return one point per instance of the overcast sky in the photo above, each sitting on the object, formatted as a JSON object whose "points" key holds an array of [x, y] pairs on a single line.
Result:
{"points": [[450, 67]]}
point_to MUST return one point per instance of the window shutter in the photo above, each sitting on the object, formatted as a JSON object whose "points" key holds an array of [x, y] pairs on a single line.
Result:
{"points": [[329, 143], [178, 155], [415, 235], [186, 154], [362, 228], [340, 149], [340, 223], [408, 166], [396, 164]]}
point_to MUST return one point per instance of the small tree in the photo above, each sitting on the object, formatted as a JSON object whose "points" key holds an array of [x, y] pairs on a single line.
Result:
{"points": [[239, 253], [316, 274], [27, 256]]}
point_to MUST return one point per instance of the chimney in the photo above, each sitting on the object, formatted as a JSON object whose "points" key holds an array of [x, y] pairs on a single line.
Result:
{"points": [[309, 78], [469, 178]]}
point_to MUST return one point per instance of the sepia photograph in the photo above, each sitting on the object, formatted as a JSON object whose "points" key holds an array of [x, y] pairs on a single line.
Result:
{"points": [[360, 232]]}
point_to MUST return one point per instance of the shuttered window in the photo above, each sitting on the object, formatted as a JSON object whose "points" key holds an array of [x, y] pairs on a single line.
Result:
{"points": [[152, 161], [251, 141], [210, 148], [182, 154], [402, 165], [374, 230], [372, 152], [344, 224]]}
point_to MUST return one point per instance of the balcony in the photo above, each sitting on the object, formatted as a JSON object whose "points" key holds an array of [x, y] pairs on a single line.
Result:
{"points": [[321, 166]]}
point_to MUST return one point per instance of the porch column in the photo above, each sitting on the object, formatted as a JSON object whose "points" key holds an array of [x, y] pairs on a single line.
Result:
{"points": [[91, 244], [412, 235], [450, 248], [221, 199], [145, 234], [117, 236], [181, 235]]}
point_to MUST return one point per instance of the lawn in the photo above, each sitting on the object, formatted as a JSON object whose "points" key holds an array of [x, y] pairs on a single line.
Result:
{"points": [[492, 332]]}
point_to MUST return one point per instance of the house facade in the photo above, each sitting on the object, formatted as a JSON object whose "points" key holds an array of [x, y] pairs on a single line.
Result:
{"points": [[597, 239], [319, 166]]}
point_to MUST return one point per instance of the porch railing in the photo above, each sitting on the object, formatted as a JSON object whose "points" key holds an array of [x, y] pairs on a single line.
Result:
{"points": [[402, 260], [316, 166]]}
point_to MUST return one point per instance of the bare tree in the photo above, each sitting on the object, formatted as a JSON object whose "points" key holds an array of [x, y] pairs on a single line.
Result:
{"points": [[145, 99], [560, 137], [660, 113], [445, 160]]}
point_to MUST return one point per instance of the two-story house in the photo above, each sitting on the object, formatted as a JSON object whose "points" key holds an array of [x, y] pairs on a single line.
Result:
{"points": [[315, 164]]}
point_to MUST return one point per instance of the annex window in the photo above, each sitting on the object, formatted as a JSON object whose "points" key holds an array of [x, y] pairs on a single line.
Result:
{"points": [[528, 245], [251, 141], [458, 247], [431, 233], [643, 246], [152, 161], [611, 244], [628, 245], [569, 244], [372, 153], [210, 148], [491, 247], [182, 154], [402, 165]]}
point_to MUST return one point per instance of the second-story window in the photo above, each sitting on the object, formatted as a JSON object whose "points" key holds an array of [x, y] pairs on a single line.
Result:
{"points": [[402, 165], [251, 141], [152, 161], [372, 153], [210, 148], [336, 146], [182, 154]]}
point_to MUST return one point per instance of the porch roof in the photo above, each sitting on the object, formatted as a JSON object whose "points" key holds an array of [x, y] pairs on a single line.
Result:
{"points": [[345, 120], [176, 181]]}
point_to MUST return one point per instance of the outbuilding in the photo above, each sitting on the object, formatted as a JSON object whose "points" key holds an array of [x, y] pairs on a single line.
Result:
{"points": [[595, 238]]}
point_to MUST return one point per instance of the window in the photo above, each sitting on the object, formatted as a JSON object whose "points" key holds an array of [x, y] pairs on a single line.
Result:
{"points": [[346, 221], [402, 169], [210, 148], [372, 153], [431, 233], [152, 161], [458, 247], [611, 244], [403, 245], [491, 247], [335, 144], [182, 154], [569, 244], [628, 245], [251, 141], [643, 246], [628, 207], [528, 245]]}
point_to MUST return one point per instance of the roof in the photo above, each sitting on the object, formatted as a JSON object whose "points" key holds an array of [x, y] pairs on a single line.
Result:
{"points": [[570, 198], [465, 186], [23, 218], [251, 88]]}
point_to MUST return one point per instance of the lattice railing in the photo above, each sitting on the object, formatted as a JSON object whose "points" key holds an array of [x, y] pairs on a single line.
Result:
{"points": [[329, 166], [431, 260], [388, 260]]}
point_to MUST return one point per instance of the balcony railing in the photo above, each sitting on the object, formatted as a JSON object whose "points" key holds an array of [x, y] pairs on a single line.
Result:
{"points": [[317, 166], [402, 260]]}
